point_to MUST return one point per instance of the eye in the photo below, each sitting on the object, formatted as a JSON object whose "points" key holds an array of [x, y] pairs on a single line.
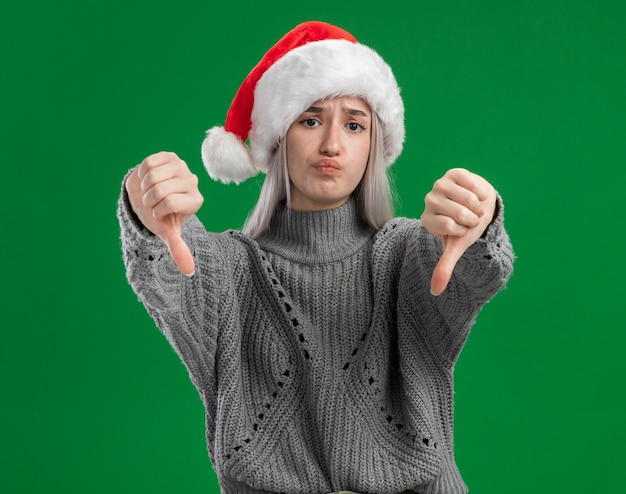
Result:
{"points": [[309, 122], [355, 127]]}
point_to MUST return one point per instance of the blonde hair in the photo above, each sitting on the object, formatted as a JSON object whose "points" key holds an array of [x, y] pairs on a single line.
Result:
{"points": [[373, 195]]}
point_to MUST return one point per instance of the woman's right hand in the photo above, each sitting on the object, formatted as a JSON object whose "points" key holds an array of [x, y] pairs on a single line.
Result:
{"points": [[164, 194]]}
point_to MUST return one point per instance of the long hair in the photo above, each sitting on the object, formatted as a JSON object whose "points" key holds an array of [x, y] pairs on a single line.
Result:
{"points": [[373, 195]]}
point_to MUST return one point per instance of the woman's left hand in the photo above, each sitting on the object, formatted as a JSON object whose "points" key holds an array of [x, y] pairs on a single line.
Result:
{"points": [[458, 210]]}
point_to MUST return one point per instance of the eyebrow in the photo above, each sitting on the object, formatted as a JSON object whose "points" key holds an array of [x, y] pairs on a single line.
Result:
{"points": [[349, 111]]}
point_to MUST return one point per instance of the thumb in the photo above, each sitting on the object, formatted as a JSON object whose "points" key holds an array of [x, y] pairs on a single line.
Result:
{"points": [[180, 253], [453, 249]]}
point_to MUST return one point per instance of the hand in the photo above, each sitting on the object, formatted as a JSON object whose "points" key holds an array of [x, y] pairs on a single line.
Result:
{"points": [[164, 194], [458, 211]]}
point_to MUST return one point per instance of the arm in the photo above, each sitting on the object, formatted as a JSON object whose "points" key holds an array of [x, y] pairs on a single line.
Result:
{"points": [[184, 308], [149, 266], [465, 250]]}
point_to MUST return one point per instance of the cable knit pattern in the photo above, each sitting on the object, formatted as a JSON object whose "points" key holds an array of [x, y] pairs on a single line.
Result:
{"points": [[322, 359]]}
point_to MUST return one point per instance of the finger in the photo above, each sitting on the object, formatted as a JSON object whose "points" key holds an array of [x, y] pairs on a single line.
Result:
{"points": [[186, 183], [181, 254], [170, 170], [470, 182], [453, 250], [443, 226], [154, 161], [183, 204], [448, 188], [441, 205], [160, 191]]}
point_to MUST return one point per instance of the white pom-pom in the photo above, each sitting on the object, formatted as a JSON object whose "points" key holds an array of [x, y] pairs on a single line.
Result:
{"points": [[226, 158]]}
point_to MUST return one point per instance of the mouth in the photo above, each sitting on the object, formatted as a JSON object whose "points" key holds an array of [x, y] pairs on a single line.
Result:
{"points": [[327, 166]]}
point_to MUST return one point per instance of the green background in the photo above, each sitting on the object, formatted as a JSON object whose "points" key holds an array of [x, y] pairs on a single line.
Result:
{"points": [[529, 94]]}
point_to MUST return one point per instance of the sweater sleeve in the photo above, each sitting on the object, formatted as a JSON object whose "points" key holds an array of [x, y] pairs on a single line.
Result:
{"points": [[184, 308], [487, 264], [481, 272]]}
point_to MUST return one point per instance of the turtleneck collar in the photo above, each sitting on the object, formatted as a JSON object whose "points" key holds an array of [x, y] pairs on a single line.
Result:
{"points": [[313, 237]]}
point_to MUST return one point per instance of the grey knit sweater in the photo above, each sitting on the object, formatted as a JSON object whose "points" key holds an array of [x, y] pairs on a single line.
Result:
{"points": [[322, 359]]}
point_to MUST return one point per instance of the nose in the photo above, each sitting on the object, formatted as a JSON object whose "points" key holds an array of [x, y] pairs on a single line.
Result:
{"points": [[331, 142]]}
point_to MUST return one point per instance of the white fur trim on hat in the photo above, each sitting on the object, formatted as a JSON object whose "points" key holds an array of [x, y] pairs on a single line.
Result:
{"points": [[318, 70], [226, 158]]}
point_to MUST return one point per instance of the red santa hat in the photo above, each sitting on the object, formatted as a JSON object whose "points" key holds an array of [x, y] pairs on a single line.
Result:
{"points": [[313, 61]]}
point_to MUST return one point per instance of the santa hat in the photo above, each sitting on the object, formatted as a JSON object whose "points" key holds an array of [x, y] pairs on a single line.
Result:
{"points": [[313, 61]]}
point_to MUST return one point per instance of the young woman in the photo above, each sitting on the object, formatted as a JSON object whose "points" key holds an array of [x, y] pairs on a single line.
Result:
{"points": [[322, 339]]}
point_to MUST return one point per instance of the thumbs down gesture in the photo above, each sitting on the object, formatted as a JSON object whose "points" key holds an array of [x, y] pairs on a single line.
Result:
{"points": [[164, 194], [457, 210]]}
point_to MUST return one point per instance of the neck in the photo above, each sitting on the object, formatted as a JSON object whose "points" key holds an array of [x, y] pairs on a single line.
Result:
{"points": [[300, 202], [311, 237]]}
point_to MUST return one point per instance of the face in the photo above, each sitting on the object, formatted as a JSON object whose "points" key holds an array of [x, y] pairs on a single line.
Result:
{"points": [[327, 151]]}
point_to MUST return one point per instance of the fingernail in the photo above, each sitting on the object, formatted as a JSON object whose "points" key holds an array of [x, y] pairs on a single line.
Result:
{"points": [[189, 275]]}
